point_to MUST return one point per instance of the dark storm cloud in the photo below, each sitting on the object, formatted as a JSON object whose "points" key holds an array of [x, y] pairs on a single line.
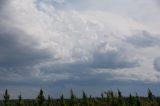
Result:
{"points": [[143, 39], [126, 86], [3, 10], [112, 60], [14, 52], [100, 82], [156, 64], [18, 56], [81, 73], [2, 2], [109, 60], [34, 82], [23, 66], [87, 79]]}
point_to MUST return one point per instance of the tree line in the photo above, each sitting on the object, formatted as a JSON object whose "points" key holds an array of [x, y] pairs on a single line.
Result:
{"points": [[108, 98]]}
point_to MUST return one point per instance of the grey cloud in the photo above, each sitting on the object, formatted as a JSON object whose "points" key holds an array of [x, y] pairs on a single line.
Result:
{"points": [[112, 60], [81, 72], [34, 82], [158, 2], [61, 87], [156, 64], [16, 54], [3, 10], [2, 2], [100, 82], [109, 60], [17, 60], [103, 85], [143, 39]]}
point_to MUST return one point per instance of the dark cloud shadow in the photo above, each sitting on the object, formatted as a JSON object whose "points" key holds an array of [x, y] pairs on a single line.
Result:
{"points": [[14, 49], [156, 64], [143, 39], [112, 60]]}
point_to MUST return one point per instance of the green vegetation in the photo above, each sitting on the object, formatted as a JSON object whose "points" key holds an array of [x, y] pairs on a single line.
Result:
{"points": [[6, 98], [108, 98]]}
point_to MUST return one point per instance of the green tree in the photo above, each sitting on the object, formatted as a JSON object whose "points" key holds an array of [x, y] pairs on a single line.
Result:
{"points": [[150, 95], [120, 99], [62, 101], [20, 101], [40, 98], [110, 97], [73, 100], [119, 94], [152, 99], [109, 94], [137, 101], [85, 99], [6, 98], [131, 100], [158, 101], [102, 96], [49, 101]]}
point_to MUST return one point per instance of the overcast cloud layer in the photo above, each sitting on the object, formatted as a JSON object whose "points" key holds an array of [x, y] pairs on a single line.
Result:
{"points": [[84, 44]]}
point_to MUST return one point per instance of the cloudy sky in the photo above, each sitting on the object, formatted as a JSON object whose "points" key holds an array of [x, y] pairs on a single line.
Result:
{"points": [[94, 45]]}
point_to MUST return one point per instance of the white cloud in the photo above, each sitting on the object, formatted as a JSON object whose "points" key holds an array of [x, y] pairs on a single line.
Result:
{"points": [[73, 36]]}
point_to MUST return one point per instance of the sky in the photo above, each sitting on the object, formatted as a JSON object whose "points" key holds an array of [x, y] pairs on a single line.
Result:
{"points": [[90, 45]]}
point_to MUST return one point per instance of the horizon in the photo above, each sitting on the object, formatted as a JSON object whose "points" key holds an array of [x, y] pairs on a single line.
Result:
{"points": [[90, 45], [80, 96]]}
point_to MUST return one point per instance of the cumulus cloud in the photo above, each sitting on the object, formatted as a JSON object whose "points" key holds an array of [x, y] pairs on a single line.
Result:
{"points": [[143, 39], [112, 60], [157, 64], [17, 51], [3, 2], [83, 42], [18, 57]]}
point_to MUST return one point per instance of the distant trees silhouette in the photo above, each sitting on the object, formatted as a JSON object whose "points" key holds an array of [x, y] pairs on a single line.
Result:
{"points": [[108, 98], [6, 98], [62, 101], [20, 101], [40, 98]]}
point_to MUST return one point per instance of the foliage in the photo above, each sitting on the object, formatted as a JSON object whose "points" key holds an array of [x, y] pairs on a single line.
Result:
{"points": [[20, 101], [40, 98], [108, 98], [6, 98]]}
